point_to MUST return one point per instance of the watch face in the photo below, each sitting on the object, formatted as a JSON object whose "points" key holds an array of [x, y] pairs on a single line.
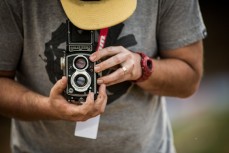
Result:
{"points": [[147, 67], [149, 64]]}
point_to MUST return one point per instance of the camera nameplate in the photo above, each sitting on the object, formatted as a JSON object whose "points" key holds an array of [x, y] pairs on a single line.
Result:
{"points": [[85, 47]]}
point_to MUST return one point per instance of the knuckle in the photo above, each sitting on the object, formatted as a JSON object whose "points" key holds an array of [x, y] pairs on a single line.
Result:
{"points": [[116, 59], [111, 48], [129, 55], [121, 48], [91, 103], [98, 55], [102, 96], [131, 64], [102, 111], [83, 112], [102, 65], [107, 79], [96, 109]]}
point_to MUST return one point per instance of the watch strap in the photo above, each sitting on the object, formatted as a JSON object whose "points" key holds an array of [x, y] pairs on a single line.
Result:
{"points": [[146, 66]]}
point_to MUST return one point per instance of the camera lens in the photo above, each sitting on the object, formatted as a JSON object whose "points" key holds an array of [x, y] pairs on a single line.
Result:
{"points": [[80, 62], [80, 80]]}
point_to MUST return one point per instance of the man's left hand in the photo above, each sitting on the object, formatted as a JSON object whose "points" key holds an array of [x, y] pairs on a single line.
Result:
{"points": [[128, 62]]}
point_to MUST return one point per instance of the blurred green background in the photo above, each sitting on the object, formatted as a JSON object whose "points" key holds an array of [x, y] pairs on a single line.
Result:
{"points": [[201, 122]]}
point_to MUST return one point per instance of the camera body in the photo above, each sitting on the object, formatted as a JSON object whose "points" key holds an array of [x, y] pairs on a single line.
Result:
{"points": [[77, 66]]}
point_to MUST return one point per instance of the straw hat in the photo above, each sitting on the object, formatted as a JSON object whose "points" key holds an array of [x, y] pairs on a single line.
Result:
{"points": [[93, 15]]}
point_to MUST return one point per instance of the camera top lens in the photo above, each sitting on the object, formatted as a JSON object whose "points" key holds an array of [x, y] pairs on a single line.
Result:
{"points": [[80, 62]]}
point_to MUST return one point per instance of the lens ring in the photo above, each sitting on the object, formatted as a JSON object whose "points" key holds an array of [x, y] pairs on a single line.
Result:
{"points": [[80, 80], [78, 86], [80, 62]]}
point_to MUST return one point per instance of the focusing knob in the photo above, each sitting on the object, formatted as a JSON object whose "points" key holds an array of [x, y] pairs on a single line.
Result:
{"points": [[62, 63], [81, 100]]}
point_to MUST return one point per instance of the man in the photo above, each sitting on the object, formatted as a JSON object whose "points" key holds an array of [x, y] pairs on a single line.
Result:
{"points": [[33, 36]]}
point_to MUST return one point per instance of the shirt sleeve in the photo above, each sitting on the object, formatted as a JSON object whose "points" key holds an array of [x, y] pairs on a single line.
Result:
{"points": [[180, 23], [11, 35]]}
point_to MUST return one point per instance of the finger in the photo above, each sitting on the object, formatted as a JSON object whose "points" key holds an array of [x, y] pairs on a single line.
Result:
{"points": [[112, 61], [91, 108], [106, 52], [59, 87], [102, 92], [89, 103], [119, 74], [90, 98], [101, 100], [116, 82], [84, 111]]}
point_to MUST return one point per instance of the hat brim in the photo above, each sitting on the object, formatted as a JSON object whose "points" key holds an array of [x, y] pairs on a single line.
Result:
{"points": [[93, 15]]}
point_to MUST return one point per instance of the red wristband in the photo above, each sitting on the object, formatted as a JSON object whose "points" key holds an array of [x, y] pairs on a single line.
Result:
{"points": [[147, 67]]}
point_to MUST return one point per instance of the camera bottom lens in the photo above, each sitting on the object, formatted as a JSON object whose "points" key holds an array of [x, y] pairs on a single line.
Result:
{"points": [[80, 80]]}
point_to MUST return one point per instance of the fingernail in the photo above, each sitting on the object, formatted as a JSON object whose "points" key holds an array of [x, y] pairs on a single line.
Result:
{"points": [[104, 87], [92, 95], [97, 68], [63, 79], [93, 57], [99, 81]]}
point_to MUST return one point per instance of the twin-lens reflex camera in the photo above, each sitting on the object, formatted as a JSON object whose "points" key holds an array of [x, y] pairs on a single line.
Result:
{"points": [[77, 66]]}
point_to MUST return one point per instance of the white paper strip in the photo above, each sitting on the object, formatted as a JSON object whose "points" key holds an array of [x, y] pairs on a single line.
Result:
{"points": [[88, 129]]}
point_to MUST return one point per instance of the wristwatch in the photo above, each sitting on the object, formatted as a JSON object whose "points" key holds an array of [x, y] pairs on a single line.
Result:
{"points": [[147, 67]]}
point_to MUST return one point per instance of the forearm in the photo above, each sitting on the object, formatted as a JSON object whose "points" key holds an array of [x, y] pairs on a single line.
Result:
{"points": [[19, 102], [177, 73], [172, 77]]}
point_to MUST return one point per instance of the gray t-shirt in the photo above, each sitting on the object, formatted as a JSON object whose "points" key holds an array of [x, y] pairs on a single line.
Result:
{"points": [[33, 38]]}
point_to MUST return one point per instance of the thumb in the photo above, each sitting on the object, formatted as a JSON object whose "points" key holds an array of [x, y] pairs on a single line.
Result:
{"points": [[59, 87]]}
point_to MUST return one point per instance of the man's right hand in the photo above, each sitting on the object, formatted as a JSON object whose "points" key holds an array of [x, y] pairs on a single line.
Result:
{"points": [[19, 102], [66, 111]]}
